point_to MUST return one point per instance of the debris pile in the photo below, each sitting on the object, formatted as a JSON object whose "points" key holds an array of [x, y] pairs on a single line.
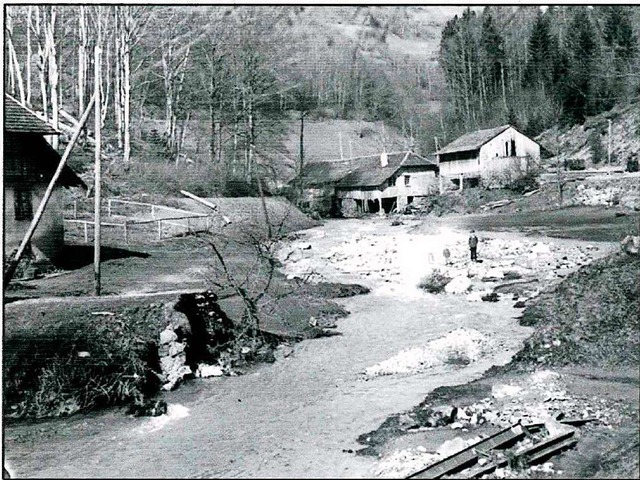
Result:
{"points": [[458, 347], [537, 417]]}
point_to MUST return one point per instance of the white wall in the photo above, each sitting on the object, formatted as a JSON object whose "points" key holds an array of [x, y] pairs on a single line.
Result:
{"points": [[421, 183], [495, 148], [456, 167], [48, 236]]}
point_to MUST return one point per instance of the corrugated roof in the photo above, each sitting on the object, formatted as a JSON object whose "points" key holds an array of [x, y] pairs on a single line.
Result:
{"points": [[473, 140], [20, 119]]}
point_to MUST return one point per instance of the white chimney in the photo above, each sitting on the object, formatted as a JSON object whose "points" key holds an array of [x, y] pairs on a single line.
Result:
{"points": [[384, 160]]}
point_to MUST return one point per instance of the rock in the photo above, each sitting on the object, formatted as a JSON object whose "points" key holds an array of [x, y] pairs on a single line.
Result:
{"points": [[519, 304], [148, 408], [456, 425], [631, 245], [492, 297], [167, 336], [205, 371], [541, 249], [176, 320], [450, 447], [501, 391], [459, 284], [176, 348]]}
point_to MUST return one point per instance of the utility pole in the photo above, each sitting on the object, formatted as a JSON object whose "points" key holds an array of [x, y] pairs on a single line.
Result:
{"points": [[609, 146], [97, 182]]}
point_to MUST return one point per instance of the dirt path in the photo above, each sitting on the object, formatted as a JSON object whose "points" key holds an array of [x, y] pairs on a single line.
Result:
{"points": [[297, 417]]}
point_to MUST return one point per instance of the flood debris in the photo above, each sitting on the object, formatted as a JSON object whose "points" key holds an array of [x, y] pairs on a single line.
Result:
{"points": [[458, 347], [542, 418]]}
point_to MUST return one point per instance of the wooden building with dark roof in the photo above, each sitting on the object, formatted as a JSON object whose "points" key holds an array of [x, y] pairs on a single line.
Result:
{"points": [[492, 156], [29, 163], [373, 183]]}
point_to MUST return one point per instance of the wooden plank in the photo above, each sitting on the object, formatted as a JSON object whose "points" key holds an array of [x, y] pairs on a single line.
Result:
{"points": [[469, 455], [531, 455]]}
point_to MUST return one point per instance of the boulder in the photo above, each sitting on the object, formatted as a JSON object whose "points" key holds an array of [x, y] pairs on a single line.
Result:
{"points": [[459, 284], [205, 371], [167, 336], [631, 244]]}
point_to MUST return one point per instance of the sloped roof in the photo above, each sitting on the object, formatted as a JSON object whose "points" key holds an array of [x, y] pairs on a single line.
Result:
{"points": [[473, 140], [30, 158], [364, 171], [20, 119]]}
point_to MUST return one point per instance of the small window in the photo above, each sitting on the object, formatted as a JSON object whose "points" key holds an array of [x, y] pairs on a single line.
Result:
{"points": [[407, 178], [513, 148], [22, 204]]}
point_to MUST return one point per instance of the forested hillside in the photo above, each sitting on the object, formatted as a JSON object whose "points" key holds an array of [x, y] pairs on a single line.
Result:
{"points": [[223, 94]]}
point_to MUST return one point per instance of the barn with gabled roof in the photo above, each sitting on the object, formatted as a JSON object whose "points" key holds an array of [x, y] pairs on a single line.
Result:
{"points": [[493, 156]]}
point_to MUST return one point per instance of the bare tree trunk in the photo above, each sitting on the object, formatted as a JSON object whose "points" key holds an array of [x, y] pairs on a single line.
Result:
{"points": [[16, 73], [29, 55], [53, 77], [42, 64], [126, 83], [82, 57]]}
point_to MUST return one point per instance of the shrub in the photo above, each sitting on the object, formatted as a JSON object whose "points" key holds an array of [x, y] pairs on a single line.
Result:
{"points": [[524, 184], [80, 363], [575, 164], [434, 282], [632, 165]]}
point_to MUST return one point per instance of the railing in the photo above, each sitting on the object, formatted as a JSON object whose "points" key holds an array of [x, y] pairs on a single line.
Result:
{"points": [[186, 221]]}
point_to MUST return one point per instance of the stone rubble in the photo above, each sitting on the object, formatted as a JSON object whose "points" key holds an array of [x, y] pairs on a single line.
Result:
{"points": [[404, 259], [460, 346]]}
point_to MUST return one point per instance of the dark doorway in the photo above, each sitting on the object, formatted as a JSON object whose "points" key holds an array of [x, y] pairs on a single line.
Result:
{"points": [[373, 206], [388, 204]]}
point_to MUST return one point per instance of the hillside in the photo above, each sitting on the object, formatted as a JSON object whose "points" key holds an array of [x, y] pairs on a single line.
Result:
{"points": [[573, 142]]}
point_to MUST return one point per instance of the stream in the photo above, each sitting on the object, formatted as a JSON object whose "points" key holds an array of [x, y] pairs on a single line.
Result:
{"points": [[300, 416]]}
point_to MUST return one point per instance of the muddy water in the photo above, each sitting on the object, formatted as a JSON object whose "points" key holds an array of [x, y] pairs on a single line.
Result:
{"points": [[296, 417]]}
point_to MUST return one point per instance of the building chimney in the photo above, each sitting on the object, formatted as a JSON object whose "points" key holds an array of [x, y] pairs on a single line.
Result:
{"points": [[384, 160]]}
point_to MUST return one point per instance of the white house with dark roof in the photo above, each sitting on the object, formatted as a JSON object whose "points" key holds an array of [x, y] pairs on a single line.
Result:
{"points": [[373, 183], [493, 156]]}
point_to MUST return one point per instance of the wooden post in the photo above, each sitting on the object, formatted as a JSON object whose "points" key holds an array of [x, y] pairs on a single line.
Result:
{"points": [[109, 207], [11, 268], [75, 209], [340, 140], [461, 181], [126, 235], [97, 183], [159, 229], [86, 232], [609, 145]]}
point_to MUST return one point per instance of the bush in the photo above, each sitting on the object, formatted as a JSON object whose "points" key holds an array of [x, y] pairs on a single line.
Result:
{"points": [[81, 363], [524, 184], [434, 282], [574, 164], [632, 165]]}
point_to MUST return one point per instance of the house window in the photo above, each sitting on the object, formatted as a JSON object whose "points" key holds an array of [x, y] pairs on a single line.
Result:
{"points": [[22, 204], [513, 148], [407, 179], [392, 182], [506, 149]]}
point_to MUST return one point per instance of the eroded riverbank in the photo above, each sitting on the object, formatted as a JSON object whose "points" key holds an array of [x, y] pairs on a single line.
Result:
{"points": [[301, 416]]}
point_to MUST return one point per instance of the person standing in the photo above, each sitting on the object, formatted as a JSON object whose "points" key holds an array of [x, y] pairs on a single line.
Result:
{"points": [[473, 246]]}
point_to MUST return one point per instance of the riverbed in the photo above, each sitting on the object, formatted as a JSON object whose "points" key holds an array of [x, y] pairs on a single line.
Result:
{"points": [[300, 416]]}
